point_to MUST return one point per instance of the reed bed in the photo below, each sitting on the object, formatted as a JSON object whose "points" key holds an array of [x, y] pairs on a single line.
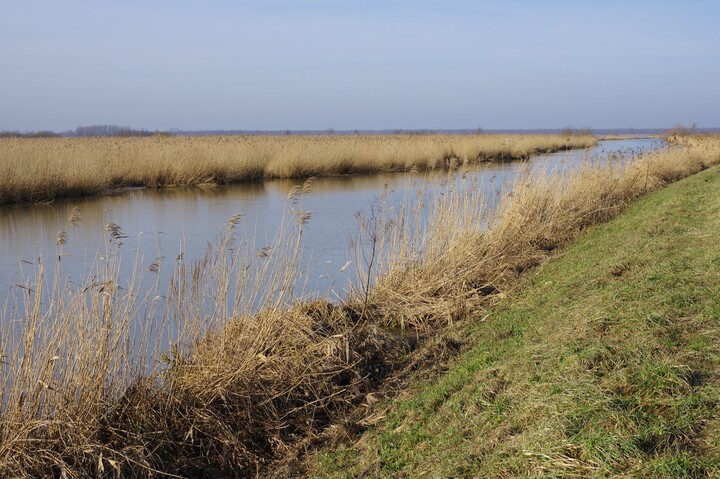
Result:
{"points": [[471, 255], [240, 390], [44, 169]]}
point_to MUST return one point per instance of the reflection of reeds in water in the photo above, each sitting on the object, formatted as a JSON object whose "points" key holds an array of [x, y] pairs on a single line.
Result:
{"points": [[72, 220], [237, 388], [45, 169]]}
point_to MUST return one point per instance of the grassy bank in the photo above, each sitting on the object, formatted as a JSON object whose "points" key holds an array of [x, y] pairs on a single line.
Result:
{"points": [[606, 364], [44, 169], [241, 391]]}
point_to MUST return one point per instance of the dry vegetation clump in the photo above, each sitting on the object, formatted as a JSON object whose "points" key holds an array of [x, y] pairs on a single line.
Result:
{"points": [[265, 383], [239, 390], [43, 169]]}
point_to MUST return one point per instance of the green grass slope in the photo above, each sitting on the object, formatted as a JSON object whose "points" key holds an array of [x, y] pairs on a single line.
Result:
{"points": [[606, 364]]}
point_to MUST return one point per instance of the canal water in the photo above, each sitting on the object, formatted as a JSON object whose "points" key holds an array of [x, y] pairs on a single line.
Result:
{"points": [[158, 226]]}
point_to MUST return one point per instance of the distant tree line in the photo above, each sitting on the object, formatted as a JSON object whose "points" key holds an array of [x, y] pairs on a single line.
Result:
{"points": [[110, 130], [80, 131], [32, 134], [126, 131]]}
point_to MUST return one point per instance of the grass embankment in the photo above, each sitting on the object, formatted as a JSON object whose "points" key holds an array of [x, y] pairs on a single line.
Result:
{"points": [[606, 364], [44, 169], [256, 387]]}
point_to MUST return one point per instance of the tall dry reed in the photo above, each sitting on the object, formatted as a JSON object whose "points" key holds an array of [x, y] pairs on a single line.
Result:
{"points": [[240, 389], [43, 169]]}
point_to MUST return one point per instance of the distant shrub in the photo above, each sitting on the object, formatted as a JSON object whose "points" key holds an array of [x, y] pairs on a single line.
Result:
{"points": [[681, 130], [31, 134]]}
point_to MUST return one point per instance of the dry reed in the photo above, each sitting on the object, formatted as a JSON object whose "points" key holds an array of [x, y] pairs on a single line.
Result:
{"points": [[43, 169], [239, 389], [462, 264]]}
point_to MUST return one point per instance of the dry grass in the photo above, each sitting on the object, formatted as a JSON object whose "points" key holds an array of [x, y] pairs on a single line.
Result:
{"points": [[44, 169], [239, 390]]}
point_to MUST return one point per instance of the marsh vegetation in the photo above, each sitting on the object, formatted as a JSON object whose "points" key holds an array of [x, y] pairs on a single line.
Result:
{"points": [[238, 390], [44, 169]]}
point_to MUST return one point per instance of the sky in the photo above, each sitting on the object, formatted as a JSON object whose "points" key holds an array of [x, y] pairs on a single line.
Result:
{"points": [[358, 64]]}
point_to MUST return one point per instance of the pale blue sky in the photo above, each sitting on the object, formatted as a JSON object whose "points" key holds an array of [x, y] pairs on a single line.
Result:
{"points": [[370, 64]]}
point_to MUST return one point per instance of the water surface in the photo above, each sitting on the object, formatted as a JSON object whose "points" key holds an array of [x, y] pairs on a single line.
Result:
{"points": [[162, 223]]}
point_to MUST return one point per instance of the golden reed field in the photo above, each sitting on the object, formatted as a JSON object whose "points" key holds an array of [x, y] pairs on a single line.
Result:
{"points": [[44, 169], [240, 390]]}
